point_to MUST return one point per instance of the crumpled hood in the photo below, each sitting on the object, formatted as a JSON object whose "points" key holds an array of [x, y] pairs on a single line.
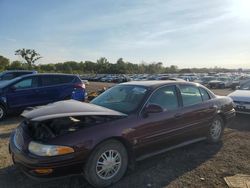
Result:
{"points": [[240, 95], [68, 108]]}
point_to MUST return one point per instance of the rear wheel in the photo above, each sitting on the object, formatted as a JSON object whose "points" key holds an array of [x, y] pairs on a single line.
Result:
{"points": [[216, 130], [107, 164], [2, 112]]}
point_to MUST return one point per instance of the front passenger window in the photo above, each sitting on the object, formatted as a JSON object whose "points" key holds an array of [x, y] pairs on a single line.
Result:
{"points": [[166, 97]]}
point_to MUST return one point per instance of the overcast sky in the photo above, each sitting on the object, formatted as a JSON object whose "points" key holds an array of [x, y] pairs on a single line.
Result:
{"points": [[186, 33]]}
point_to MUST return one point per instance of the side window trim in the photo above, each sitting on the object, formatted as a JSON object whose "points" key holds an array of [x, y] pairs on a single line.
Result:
{"points": [[200, 88]]}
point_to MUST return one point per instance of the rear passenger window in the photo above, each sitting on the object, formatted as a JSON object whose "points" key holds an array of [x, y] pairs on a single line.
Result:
{"points": [[165, 97], [47, 80], [66, 79], [56, 80], [190, 95], [204, 94]]}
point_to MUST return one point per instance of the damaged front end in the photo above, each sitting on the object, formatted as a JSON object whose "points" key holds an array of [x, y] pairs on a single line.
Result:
{"points": [[57, 135], [65, 117], [43, 131]]}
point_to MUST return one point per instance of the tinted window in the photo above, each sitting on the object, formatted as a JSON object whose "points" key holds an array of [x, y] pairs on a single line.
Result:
{"points": [[165, 97], [65, 79], [190, 95], [8, 76], [56, 79], [245, 86], [27, 83], [204, 94]]}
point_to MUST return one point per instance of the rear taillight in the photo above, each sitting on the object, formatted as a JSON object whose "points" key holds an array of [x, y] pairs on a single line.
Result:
{"points": [[80, 85]]}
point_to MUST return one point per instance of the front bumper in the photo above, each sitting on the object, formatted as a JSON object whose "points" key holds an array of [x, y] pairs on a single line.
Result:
{"points": [[61, 165], [242, 108]]}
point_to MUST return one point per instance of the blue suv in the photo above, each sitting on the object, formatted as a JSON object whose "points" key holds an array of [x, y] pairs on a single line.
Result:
{"points": [[37, 89]]}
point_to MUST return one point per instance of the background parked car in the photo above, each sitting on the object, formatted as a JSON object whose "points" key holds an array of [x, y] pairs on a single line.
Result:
{"points": [[11, 74], [220, 83], [37, 89], [241, 98]]}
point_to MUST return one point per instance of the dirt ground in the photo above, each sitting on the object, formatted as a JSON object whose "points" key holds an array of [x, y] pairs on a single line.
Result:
{"points": [[196, 165]]}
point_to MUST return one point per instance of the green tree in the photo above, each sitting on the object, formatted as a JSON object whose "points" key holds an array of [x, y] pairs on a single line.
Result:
{"points": [[29, 55], [4, 63], [103, 65], [16, 65]]}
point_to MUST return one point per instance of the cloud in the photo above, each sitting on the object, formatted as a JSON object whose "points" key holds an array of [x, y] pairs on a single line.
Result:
{"points": [[187, 32]]}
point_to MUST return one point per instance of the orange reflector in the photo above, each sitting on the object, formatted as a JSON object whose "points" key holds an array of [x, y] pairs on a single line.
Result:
{"points": [[64, 150], [43, 170]]}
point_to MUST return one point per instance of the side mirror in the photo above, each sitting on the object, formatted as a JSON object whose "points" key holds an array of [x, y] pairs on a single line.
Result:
{"points": [[153, 108], [237, 87]]}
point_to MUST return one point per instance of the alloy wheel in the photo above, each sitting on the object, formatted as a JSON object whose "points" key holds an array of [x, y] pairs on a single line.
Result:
{"points": [[215, 129], [1, 113], [108, 164]]}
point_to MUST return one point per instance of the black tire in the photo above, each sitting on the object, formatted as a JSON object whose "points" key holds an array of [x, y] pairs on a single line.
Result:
{"points": [[90, 169], [216, 130], [2, 112]]}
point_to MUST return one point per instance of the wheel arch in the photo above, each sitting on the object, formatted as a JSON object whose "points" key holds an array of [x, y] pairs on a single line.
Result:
{"points": [[3, 105], [223, 117]]}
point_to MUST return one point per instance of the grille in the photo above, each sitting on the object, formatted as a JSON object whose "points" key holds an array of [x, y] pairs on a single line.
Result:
{"points": [[241, 102], [242, 110]]}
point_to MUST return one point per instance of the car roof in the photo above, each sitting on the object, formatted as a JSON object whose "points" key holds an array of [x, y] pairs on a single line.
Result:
{"points": [[157, 83], [19, 71], [48, 74]]}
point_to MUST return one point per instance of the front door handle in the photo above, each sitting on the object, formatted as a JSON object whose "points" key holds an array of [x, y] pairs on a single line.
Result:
{"points": [[178, 115], [213, 107]]}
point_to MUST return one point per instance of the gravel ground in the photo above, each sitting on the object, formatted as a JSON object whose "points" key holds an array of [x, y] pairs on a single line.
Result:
{"points": [[196, 165]]}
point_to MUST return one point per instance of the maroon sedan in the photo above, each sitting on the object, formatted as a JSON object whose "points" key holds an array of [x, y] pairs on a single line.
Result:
{"points": [[127, 123]]}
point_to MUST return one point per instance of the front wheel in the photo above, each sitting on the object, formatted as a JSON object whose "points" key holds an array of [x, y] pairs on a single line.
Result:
{"points": [[216, 130], [107, 164]]}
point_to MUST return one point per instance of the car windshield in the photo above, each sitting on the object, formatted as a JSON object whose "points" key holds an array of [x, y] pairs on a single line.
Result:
{"points": [[245, 86], [122, 98], [223, 79]]}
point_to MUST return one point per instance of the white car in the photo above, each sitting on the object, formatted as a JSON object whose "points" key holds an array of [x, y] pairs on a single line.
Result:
{"points": [[241, 98]]}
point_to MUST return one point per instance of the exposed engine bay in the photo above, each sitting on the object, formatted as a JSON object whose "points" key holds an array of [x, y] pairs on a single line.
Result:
{"points": [[48, 129]]}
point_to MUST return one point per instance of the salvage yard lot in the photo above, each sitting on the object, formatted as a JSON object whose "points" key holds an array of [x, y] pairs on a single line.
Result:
{"points": [[197, 165]]}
